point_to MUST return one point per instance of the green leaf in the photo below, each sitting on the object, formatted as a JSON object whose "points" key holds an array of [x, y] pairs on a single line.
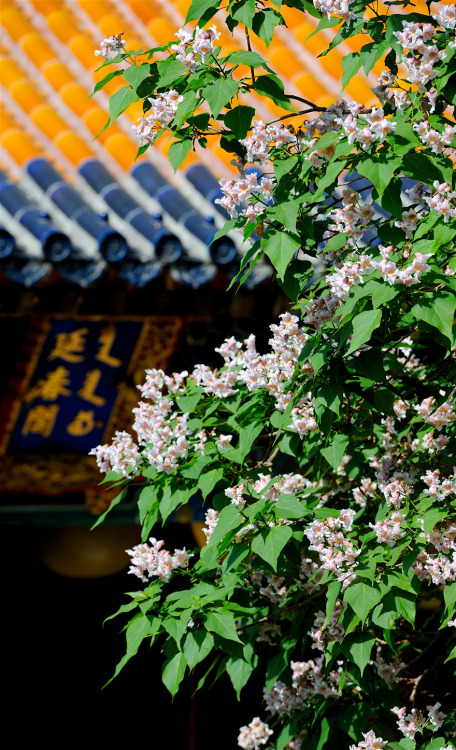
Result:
{"points": [[243, 12], [351, 63], [286, 213], [172, 499], [379, 170], [170, 71], [272, 87], [252, 59], [419, 167], [173, 672], [235, 556], [248, 435], [198, 8], [239, 120], [141, 627], [197, 645], [363, 326], [280, 248], [185, 108], [207, 481], [437, 309], [362, 597], [102, 83], [384, 400], [218, 93], [335, 452], [269, 543], [264, 24], [288, 506], [330, 396], [119, 102], [178, 152], [239, 672], [223, 624], [147, 498], [452, 655], [358, 647], [449, 595], [229, 519], [112, 505], [188, 403], [136, 74], [284, 166], [332, 595]]}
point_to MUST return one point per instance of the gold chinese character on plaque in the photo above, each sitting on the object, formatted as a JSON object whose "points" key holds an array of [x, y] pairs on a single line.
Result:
{"points": [[69, 345], [87, 392], [106, 340], [82, 424], [40, 420], [49, 388]]}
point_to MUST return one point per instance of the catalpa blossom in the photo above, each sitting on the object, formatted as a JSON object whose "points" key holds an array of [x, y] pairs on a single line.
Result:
{"points": [[110, 47], [162, 111], [263, 138], [254, 735], [434, 139], [211, 522], [388, 671], [443, 200], [149, 560], [370, 742], [121, 456], [420, 58], [310, 679], [236, 192], [389, 530], [194, 50], [410, 724], [445, 17], [335, 8]]}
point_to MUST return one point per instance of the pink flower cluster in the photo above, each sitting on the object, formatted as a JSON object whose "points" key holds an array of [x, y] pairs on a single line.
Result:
{"points": [[409, 275], [370, 742], [254, 735], [211, 522], [443, 415], [395, 485], [440, 202], [439, 569], [236, 192], [388, 671], [336, 552], [349, 273], [121, 456], [335, 8], [163, 109], [193, 50], [375, 130], [389, 530], [437, 488], [270, 586], [409, 221], [421, 58], [445, 17], [435, 140], [263, 139], [333, 631], [410, 723], [364, 491], [110, 47], [151, 560], [430, 443], [309, 678]]}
